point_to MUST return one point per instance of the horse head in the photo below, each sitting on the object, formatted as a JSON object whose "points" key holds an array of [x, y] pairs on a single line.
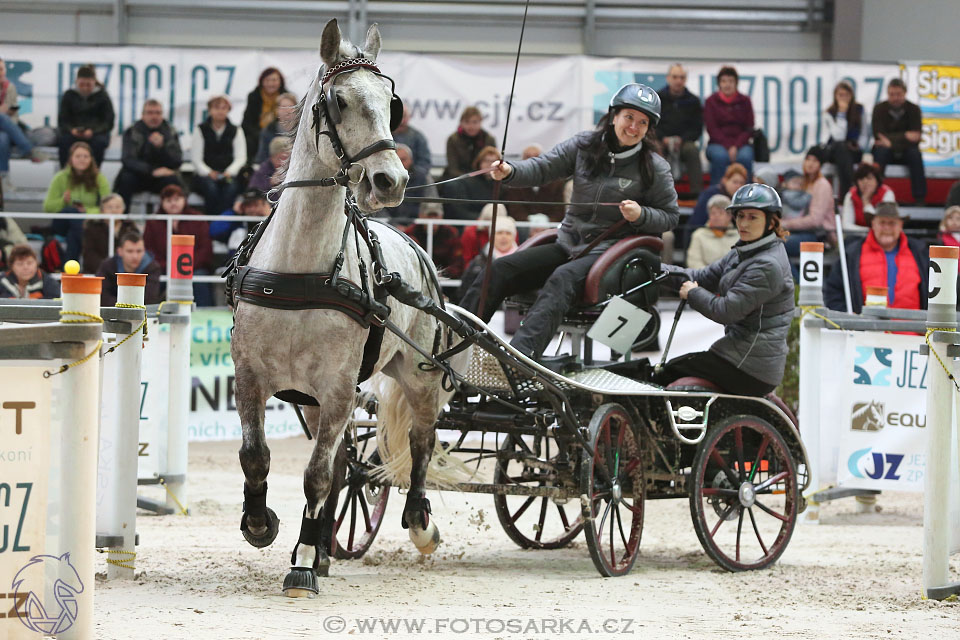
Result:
{"points": [[363, 101]]}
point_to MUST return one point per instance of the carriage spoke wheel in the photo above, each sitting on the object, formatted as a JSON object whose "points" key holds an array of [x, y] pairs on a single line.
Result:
{"points": [[612, 491], [533, 522], [360, 505], [744, 495]]}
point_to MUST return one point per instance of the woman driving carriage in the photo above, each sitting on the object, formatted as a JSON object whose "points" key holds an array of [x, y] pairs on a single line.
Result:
{"points": [[614, 163], [750, 292]]}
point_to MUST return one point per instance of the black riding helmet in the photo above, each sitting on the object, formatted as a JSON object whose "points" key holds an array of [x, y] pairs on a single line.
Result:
{"points": [[757, 196], [640, 97]]}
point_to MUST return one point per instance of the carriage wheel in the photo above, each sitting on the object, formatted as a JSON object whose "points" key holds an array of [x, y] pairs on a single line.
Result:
{"points": [[361, 505], [744, 496], [533, 522], [612, 491]]}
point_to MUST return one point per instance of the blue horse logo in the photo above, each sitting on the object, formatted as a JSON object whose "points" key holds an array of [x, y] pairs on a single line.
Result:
{"points": [[65, 591]]}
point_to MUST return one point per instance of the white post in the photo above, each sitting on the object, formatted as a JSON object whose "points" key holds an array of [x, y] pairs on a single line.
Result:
{"points": [[811, 295], [843, 263], [80, 393], [941, 314], [179, 293], [126, 433]]}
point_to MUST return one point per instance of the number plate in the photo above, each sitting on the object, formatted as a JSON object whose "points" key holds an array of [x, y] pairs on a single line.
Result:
{"points": [[619, 325]]}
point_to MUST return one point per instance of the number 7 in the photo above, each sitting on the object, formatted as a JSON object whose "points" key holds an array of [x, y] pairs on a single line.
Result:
{"points": [[623, 322]]}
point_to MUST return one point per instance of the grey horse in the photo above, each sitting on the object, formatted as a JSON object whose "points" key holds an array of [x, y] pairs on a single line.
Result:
{"points": [[318, 352]]}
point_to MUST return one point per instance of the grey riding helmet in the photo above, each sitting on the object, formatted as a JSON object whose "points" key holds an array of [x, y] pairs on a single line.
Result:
{"points": [[756, 196], [640, 97]]}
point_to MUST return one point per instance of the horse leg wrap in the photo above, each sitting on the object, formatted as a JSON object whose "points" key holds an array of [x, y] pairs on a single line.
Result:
{"points": [[253, 504], [310, 532], [419, 506]]}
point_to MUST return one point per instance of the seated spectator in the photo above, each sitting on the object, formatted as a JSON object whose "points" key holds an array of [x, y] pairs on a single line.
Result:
{"points": [[86, 115], [795, 199], [10, 131], [173, 202], [218, 152], [949, 235], [539, 222], [504, 243], [466, 142], [78, 188], [477, 190], [284, 124], [550, 192], [475, 237], [25, 280], [151, 154], [861, 200], [886, 257], [680, 128], [10, 236], [413, 138], [728, 115], [897, 125], [232, 233], [710, 243], [266, 177], [96, 235], [733, 178], [818, 223], [261, 108], [847, 133], [417, 178], [131, 257], [447, 254]]}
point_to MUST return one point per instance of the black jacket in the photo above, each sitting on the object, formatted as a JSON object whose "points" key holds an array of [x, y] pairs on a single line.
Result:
{"points": [[141, 157], [681, 116], [91, 112], [251, 120], [833, 296]]}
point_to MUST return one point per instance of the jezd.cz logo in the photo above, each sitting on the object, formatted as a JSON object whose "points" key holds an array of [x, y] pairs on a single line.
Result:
{"points": [[29, 608], [873, 366], [867, 416], [867, 463]]}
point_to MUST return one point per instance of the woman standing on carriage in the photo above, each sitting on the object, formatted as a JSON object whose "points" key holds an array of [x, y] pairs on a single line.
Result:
{"points": [[614, 163], [750, 292]]}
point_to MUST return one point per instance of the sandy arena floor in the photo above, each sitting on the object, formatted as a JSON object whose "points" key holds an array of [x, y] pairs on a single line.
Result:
{"points": [[853, 576]]}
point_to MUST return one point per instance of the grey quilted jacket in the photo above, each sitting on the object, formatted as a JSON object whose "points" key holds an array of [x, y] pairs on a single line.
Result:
{"points": [[750, 292], [583, 221]]}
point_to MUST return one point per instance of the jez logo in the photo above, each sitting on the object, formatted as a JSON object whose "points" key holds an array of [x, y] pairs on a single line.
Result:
{"points": [[867, 416], [29, 607], [885, 465], [873, 366]]}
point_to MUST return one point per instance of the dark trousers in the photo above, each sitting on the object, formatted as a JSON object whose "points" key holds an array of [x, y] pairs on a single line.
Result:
{"points": [[547, 267], [98, 144], [710, 366], [913, 159], [843, 157], [72, 230], [690, 159], [128, 183], [218, 195]]}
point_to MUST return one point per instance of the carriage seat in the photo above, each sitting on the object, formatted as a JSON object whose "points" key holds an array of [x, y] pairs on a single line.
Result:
{"points": [[692, 383]]}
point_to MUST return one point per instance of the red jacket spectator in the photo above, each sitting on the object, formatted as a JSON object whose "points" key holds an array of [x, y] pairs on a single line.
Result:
{"points": [[729, 121], [173, 202], [447, 254]]}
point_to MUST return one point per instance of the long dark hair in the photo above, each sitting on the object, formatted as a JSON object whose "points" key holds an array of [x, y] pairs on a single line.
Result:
{"points": [[595, 150], [268, 71], [854, 112], [87, 178]]}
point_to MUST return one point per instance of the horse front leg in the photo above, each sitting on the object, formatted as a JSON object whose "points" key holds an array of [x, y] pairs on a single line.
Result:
{"points": [[259, 524], [416, 511]]}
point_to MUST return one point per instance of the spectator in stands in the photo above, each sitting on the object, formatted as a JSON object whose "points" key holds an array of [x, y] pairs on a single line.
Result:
{"points": [[680, 128], [504, 243], [261, 108], [550, 192], [477, 189], [10, 236], [266, 177], [10, 131], [96, 235], [847, 133], [818, 223], [475, 237], [415, 140], [131, 257], [86, 115], [218, 153], [252, 203], [733, 178], [710, 243], [949, 235], [884, 258], [173, 202], [795, 199], [418, 178], [863, 197], [447, 254], [25, 279], [78, 188], [896, 130], [151, 154], [284, 123], [539, 222], [728, 115], [466, 142]]}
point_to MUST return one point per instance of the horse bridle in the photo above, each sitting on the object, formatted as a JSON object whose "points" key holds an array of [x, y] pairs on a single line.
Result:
{"points": [[327, 108]]}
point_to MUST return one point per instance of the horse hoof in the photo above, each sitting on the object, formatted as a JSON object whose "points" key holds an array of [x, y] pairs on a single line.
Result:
{"points": [[262, 536], [301, 583], [425, 540]]}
